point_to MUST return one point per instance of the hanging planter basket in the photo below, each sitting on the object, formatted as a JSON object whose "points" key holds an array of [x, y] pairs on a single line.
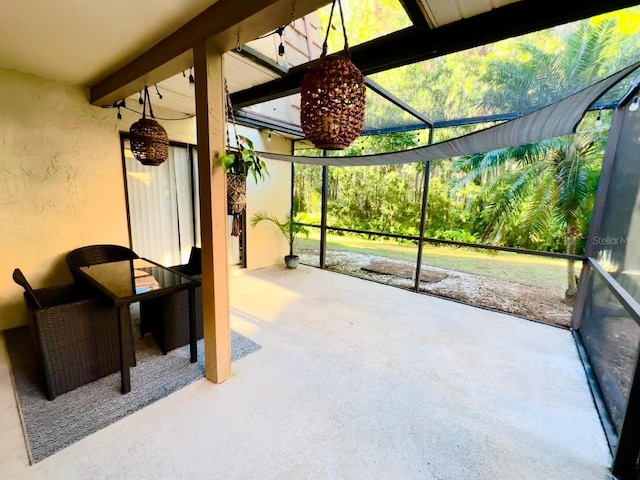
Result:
{"points": [[333, 98], [236, 200], [149, 140]]}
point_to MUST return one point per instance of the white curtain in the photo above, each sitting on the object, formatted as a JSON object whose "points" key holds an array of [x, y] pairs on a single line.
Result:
{"points": [[161, 207], [164, 209]]}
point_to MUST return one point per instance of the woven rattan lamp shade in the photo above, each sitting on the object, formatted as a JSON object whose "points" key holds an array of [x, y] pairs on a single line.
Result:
{"points": [[333, 103], [333, 97], [149, 142]]}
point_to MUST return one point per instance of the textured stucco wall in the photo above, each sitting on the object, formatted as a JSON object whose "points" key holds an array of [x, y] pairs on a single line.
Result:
{"points": [[61, 182]]}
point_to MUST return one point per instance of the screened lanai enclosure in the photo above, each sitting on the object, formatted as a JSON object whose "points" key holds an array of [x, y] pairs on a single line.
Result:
{"points": [[604, 315], [499, 166], [544, 228]]}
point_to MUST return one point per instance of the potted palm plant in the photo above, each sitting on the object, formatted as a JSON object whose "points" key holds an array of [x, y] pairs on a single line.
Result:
{"points": [[238, 164], [290, 228]]}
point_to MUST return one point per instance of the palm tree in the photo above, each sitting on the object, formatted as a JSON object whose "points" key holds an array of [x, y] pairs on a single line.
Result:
{"points": [[289, 228], [535, 75], [535, 190], [542, 194]]}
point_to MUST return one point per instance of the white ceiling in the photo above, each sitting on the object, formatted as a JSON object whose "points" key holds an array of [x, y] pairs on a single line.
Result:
{"points": [[81, 41], [442, 12], [178, 94]]}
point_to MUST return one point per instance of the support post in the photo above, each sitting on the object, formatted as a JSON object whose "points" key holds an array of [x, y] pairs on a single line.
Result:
{"points": [[211, 122], [591, 249], [291, 213], [323, 214], [625, 460], [423, 215]]}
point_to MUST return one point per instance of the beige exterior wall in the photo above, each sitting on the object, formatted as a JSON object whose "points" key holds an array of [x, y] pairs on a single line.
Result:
{"points": [[61, 184], [265, 244]]}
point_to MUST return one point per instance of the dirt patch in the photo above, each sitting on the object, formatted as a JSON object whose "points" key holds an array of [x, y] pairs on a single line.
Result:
{"points": [[402, 271], [537, 303]]}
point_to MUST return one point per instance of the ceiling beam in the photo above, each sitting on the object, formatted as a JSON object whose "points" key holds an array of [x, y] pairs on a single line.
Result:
{"points": [[261, 59], [221, 23], [414, 44]]}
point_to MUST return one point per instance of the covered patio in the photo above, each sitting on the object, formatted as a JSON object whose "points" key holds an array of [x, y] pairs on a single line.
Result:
{"points": [[354, 380]]}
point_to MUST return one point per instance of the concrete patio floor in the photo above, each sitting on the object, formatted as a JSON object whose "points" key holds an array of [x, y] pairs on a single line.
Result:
{"points": [[355, 380]]}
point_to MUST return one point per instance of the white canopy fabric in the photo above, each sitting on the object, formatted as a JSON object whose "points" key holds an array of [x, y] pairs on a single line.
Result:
{"points": [[555, 120]]}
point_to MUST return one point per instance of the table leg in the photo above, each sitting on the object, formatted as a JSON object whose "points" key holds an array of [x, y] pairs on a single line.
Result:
{"points": [[193, 336], [125, 355]]}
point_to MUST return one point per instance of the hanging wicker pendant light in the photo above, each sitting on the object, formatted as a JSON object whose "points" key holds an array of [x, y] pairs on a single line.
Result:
{"points": [[149, 140], [333, 98]]}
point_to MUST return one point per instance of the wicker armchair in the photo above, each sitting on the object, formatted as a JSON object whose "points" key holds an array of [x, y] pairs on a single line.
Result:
{"points": [[168, 317], [96, 254], [76, 336]]}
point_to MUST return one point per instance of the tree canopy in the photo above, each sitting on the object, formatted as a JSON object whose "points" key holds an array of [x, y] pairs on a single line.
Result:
{"points": [[535, 196]]}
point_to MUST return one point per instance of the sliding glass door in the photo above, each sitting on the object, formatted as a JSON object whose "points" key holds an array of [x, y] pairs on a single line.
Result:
{"points": [[161, 206], [164, 209]]}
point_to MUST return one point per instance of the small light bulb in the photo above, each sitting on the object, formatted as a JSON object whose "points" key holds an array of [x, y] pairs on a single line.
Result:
{"points": [[634, 104], [599, 120], [269, 136]]}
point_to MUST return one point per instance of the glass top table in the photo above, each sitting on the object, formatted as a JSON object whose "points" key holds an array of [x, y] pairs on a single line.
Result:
{"points": [[131, 281]]}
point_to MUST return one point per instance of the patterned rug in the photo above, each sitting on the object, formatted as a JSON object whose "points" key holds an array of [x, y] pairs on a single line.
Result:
{"points": [[53, 425]]}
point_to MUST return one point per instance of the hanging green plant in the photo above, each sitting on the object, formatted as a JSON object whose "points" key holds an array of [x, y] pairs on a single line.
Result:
{"points": [[238, 162], [245, 160]]}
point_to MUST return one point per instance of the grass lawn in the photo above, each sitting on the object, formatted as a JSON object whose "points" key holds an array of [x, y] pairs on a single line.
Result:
{"points": [[525, 269]]}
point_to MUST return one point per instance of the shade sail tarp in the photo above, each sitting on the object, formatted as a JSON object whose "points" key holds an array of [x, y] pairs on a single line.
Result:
{"points": [[555, 120]]}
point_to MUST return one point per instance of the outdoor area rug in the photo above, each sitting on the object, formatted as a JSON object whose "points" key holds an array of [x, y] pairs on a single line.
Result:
{"points": [[53, 425]]}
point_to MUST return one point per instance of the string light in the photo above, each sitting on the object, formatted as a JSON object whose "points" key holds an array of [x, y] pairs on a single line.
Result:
{"points": [[140, 101], [269, 136], [158, 92], [634, 104], [282, 59], [123, 105], [119, 105], [192, 79], [280, 31]]}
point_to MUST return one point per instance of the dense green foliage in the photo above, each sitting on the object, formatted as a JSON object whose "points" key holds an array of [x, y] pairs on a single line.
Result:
{"points": [[533, 196]]}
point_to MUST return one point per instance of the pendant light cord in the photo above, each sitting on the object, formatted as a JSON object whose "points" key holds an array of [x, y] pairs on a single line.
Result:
{"points": [[230, 113], [145, 102], [344, 30]]}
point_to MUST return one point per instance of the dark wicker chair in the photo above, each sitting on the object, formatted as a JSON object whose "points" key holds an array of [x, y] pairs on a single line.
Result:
{"points": [[76, 336], [168, 317], [95, 254]]}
